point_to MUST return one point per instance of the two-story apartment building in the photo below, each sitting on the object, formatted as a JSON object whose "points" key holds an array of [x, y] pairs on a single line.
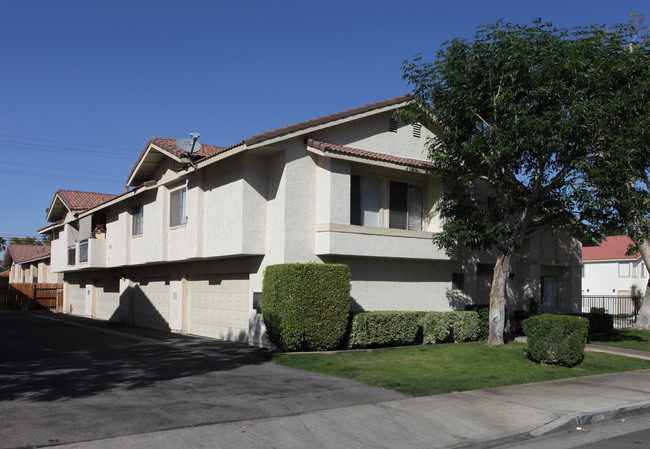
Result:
{"points": [[185, 248]]}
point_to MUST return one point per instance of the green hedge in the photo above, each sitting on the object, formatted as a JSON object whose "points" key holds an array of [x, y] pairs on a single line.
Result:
{"points": [[440, 327], [384, 328], [599, 323], [305, 306], [556, 339], [483, 311]]}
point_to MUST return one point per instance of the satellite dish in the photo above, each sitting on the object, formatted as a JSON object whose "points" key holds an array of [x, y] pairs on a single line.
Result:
{"points": [[189, 145]]}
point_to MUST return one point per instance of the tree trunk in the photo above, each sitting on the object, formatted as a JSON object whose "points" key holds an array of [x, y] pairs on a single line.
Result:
{"points": [[498, 300], [643, 317]]}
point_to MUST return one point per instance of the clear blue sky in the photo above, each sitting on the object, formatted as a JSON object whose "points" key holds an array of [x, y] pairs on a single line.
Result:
{"points": [[85, 84]]}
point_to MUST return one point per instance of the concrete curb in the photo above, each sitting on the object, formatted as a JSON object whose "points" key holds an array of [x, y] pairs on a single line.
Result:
{"points": [[579, 419]]}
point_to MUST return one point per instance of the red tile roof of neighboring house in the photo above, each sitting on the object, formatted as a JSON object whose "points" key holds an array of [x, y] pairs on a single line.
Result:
{"points": [[614, 247], [329, 147], [4, 274], [27, 253], [324, 119], [76, 200]]}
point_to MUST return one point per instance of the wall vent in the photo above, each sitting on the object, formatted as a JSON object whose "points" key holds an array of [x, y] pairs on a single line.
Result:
{"points": [[392, 125], [417, 130]]}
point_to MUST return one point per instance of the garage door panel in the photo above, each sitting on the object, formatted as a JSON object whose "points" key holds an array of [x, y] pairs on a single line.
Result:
{"points": [[151, 304], [77, 294], [108, 300], [219, 307]]}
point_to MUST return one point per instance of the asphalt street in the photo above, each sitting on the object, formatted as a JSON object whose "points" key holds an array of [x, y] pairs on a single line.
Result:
{"points": [[65, 379]]}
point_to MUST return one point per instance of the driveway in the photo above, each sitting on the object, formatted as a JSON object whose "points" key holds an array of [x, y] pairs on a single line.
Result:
{"points": [[66, 379]]}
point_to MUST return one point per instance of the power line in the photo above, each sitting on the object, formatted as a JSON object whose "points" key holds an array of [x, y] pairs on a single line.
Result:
{"points": [[66, 143], [61, 169], [49, 175], [33, 147]]}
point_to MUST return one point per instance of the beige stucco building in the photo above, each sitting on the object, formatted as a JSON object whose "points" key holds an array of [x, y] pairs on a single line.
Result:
{"points": [[185, 248]]}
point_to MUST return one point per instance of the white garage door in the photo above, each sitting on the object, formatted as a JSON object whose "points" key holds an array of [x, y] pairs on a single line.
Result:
{"points": [[151, 304], [77, 293], [219, 307], [108, 300]]}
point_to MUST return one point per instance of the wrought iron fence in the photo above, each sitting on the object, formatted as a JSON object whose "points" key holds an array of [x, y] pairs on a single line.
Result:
{"points": [[622, 308]]}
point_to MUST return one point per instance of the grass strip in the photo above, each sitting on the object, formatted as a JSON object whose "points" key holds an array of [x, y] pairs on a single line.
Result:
{"points": [[624, 338], [437, 369]]}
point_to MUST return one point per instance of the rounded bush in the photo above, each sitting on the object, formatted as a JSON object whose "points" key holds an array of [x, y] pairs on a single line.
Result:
{"points": [[556, 339], [305, 306]]}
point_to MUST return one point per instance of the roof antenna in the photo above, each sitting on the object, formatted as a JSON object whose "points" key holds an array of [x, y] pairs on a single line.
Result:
{"points": [[190, 146]]}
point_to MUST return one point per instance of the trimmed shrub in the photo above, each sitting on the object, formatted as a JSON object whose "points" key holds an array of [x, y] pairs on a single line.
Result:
{"points": [[384, 328], [305, 306], [483, 311], [436, 327], [440, 327], [599, 323], [597, 310], [556, 339], [465, 326]]}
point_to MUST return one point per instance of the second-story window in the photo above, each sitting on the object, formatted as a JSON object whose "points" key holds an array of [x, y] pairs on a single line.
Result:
{"points": [[177, 215], [137, 217], [406, 206], [365, 201]]}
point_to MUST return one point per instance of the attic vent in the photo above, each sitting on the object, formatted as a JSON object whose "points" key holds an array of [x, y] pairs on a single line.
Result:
{"points": [[417, 130], [392, 125]]}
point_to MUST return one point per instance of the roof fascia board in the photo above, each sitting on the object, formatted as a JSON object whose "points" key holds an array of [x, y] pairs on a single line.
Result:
{"points": [[150, 148], [367, 161], [122, 197], [337, 122], [56, 197]]}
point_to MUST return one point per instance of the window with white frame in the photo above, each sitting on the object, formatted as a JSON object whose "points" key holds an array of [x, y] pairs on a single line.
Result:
{"points": [[137, 217], [624, 269], [406, 206], [365, 202], [405, 203], [177, 215]]}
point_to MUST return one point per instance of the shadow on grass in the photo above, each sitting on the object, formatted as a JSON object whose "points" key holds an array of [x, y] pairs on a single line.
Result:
{"points": [[615, 336]]}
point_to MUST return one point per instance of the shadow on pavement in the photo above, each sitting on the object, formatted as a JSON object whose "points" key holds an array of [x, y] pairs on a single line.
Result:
{"points": [[50, 360]]}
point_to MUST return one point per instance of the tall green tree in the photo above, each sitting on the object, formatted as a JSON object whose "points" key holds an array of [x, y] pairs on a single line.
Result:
{"points": [[515, 126], [617, 176], [3, 244]]}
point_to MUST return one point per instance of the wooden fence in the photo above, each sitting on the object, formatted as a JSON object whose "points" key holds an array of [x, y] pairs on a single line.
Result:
{"points": [[17, 297]]}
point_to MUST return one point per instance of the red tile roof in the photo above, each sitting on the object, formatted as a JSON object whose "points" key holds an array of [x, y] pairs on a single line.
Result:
{"points": [[27, 253], [332, 148], [324, 119], [169, 145], [614, 247], [4, 274], [76, 200]]}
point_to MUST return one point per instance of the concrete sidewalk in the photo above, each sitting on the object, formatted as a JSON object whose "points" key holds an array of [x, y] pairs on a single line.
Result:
{"points": [[443, 421]]}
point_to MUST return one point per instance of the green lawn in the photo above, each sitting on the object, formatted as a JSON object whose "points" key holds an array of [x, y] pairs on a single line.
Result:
{"points": [[625, 338], [444, 368]]}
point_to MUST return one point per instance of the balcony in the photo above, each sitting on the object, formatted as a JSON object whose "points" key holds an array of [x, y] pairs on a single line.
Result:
{"points": [[365, 241], [90, 253]]}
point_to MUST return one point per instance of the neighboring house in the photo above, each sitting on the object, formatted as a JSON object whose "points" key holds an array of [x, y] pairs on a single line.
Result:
{"points": [[186, 247], [4, 277], [30, 264], [610, 269]]}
